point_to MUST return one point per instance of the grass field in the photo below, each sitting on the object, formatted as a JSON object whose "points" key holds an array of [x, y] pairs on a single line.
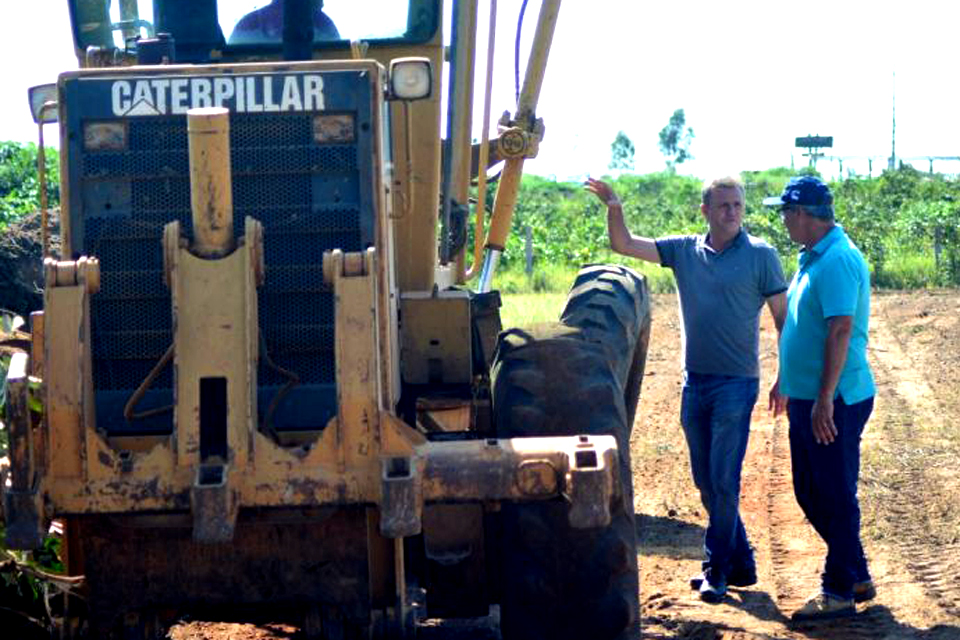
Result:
{"points": [[524, 309], [539, 297]]}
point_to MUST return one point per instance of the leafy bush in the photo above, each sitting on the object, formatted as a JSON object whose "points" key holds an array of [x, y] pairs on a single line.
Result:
{"points": [[906, 223], [19, 182]]}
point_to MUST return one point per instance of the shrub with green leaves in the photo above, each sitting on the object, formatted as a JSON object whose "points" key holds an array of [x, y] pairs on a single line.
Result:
{"points": [[906, 223], [19, 181]]}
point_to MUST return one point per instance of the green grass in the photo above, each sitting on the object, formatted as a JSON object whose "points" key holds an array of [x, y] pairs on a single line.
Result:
{"points": [[525, 309], [558, 278], [904, 269], [540, 296], [544, 279]]}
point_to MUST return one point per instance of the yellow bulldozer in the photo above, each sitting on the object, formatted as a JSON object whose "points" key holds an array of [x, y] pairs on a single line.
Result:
{"points": [[271, 378]]}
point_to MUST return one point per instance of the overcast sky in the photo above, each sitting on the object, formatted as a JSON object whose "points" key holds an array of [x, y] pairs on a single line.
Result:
{"points": [[751, 76]]}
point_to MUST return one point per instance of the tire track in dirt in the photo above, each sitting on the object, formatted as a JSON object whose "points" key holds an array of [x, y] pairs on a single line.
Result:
{"points": [[789, 553], [790, 544], [914, 566], [671, 609], [918, 486], [914, 573], [797, 555]]}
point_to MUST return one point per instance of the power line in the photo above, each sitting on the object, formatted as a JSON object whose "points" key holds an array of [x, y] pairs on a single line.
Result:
{"points": [[893, 134]]}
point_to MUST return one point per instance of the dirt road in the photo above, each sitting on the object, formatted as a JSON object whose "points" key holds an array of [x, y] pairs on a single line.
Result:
{"points": [[910, 489]]}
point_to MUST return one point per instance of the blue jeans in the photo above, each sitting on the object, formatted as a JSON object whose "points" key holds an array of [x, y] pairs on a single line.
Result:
{"points": [[825, 483], [715, 413]]}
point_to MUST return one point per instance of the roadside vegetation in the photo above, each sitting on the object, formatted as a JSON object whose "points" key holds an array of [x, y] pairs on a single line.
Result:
{"points": [[19, 183], [907, 224]]}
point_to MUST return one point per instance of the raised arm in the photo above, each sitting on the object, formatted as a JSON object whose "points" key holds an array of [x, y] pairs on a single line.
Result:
{"points": [[621, 240]]}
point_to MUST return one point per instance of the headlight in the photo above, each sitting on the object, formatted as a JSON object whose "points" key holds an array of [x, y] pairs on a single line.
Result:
{"points": [[39, 96], [410, 78]]}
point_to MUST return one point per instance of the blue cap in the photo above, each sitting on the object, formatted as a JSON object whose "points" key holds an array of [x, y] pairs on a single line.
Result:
{"points": [[805, 191]]}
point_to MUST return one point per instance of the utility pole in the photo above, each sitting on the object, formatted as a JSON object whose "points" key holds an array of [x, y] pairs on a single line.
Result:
{"points": [[893, 136]]}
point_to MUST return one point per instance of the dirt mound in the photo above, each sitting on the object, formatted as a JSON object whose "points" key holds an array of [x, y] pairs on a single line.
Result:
{"points": [[21, 264]]}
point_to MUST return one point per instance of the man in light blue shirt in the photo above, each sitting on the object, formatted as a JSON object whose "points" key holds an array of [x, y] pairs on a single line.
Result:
{"points": [[827, 387]]}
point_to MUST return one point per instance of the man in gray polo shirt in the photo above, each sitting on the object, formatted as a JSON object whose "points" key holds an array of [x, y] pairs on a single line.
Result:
{"points": [[723, 279]]}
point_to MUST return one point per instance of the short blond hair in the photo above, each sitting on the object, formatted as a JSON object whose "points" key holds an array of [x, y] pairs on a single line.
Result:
{"points": [[726, 182]]}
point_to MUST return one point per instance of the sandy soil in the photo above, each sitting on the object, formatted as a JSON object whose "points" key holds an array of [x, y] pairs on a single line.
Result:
{"points": [[909, 490], [909, 497]]}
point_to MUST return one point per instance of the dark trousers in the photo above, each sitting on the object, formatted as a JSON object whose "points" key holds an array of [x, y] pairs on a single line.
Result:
{"points": [[825, 483], [715, 413]]}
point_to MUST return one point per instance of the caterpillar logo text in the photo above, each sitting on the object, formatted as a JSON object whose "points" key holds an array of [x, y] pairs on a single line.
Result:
{"points": [[241, 94]]}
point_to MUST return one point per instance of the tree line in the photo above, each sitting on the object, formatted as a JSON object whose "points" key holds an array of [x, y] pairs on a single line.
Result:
{"points": [[907, 223]]}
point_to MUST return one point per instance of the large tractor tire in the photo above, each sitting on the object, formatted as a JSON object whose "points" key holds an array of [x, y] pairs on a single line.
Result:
{"points": [[567, 379], [611, 305]]}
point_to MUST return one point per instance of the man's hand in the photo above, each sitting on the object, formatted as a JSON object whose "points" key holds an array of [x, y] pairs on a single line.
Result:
{"points": [[621, 240], [839, 329], [777, 402], [602, 190], [821, 421]]}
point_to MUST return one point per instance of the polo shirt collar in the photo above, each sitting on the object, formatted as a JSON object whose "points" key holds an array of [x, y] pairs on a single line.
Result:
{"points": [[737, 239], [827, 241], [831, 238]]}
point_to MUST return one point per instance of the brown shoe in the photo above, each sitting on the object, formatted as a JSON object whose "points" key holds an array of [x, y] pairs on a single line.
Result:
{"points": [[863, 591], [824, 607]]}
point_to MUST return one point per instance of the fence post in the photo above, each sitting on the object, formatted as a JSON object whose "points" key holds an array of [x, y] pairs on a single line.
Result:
{"points": [[528, 248], [937, 246]]}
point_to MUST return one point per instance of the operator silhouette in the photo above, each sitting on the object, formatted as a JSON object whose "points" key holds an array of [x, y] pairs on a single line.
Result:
{"points": [[265, 25]]}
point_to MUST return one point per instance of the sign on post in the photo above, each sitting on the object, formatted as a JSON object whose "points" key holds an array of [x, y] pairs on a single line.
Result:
{"points": [[808, 142]]}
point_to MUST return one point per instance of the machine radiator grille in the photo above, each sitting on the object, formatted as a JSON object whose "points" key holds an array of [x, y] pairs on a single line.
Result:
{"points": [[306, 195]]}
